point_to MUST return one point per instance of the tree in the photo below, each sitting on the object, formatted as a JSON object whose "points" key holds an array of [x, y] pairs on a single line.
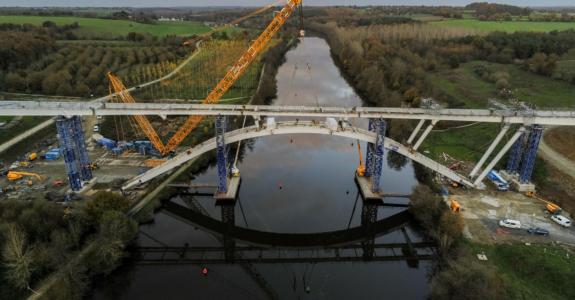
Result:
{"points": [[117, 226], [102, 202], [17, 258], [82, 90], [50, 84], [65, 89], [15, 82]]}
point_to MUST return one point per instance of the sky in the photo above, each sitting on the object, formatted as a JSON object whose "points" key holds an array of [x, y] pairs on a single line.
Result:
{"points": [[168, 3]]}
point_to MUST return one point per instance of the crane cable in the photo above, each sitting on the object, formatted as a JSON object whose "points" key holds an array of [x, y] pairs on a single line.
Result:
{"points": [[235, 165]]}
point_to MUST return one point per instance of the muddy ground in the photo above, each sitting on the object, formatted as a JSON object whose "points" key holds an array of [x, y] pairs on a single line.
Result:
{"points": [[483, 210]]}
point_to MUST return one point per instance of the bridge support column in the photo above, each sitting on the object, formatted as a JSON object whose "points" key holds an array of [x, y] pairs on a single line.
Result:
{"points": [[379, 151], [73, 147], [221, 154], [489, 151], [424, 135], [528, 161], [374, 158], [229, 218], [85, 165], [368, 218], [514, 158], [499, 155], [415, 131]]}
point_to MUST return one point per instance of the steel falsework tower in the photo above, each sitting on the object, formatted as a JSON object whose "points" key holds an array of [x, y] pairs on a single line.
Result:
{"points": [[221, 154], [375, 153], [73, 149]]}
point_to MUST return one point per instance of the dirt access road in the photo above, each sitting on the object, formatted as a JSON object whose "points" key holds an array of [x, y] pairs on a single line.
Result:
{"points": [[555, 158]]}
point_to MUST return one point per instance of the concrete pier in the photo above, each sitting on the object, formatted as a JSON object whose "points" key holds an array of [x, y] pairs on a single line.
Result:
{"points": [[516, 185], [233, 188], [364, 185]]}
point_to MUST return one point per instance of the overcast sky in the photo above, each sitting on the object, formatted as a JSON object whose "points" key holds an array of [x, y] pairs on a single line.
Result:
{"points": [[168, 3]]}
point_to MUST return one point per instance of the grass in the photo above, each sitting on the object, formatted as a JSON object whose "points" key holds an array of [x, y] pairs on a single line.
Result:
{"points": [[466, 86], [509, 26], [532, 272], [101, 28], [25, 124], [456, 142]]}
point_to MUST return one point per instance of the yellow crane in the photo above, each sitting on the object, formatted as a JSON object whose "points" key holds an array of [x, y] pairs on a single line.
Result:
{"points": [[116, 86], [235, 72]]}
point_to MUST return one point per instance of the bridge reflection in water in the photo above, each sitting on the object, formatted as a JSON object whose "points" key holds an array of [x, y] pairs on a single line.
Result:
{"points": [[259, 247]]}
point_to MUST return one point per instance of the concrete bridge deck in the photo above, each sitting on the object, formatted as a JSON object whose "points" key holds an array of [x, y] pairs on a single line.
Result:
{"points": [[50, 108]]}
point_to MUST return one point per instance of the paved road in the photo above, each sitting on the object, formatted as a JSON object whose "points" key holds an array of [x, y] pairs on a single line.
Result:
{"points": [[7, 145], [555, 158]]}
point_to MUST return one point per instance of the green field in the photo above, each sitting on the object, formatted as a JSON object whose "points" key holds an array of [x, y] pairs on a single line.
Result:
{"points": [[532, 272], [98, 28], [456, 142], [465, 85], [510, 26]]}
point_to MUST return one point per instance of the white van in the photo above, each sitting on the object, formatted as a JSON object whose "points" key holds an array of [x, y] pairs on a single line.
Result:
{"points": [[510, 223], [96, 128], [561, 220]]}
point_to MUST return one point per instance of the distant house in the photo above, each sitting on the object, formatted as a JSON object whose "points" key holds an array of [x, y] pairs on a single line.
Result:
{"points": [[164, 19]]}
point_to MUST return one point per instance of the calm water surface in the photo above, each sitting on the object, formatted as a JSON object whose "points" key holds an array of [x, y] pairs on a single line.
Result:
{"points": [[318, 194]]}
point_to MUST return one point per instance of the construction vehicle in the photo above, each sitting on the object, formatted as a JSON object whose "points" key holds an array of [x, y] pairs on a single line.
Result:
{"points": [[94, 166], [361, 168], [454, 206], [117, 88], [13, 176], [32, 156], [235, 172], [57, 183], [551, 207]]}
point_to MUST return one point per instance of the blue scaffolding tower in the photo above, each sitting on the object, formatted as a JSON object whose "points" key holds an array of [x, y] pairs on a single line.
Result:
{"points": [[73, 147], [375, 153], [528, 161], [370, 151], [68, 147], [81, 152], [221, 154], [515, 154]]}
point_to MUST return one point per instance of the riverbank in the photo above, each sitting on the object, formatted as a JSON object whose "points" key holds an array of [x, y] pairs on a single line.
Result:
{"points": [[458, 275]]}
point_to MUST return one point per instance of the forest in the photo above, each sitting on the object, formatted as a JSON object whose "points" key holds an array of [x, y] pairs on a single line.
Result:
{"points": [[38, 238]]}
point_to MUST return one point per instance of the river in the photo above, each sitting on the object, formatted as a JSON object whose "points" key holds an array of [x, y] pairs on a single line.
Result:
{"points": [[290, 184]]}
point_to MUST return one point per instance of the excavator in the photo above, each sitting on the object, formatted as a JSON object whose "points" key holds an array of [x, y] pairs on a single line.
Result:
{"points": [[233, 74], [13, 176]]}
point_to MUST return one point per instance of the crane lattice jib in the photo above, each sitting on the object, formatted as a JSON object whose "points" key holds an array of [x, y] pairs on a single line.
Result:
{"points": [[235, 72], [143, 122]]}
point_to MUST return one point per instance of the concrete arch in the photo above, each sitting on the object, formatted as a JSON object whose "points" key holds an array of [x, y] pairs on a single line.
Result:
{"points": [[292, 127]]}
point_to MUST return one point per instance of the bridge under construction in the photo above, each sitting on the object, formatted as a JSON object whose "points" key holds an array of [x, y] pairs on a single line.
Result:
{"points": [[527, 127]]}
